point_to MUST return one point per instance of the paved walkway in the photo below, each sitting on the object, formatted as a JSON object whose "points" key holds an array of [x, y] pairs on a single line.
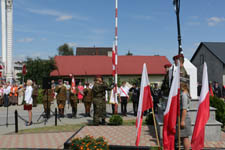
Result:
{"points": [[115, 135]]}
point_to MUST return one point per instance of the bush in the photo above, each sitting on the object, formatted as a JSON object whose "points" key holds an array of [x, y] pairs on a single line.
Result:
{"points": [[116, 120], [89, 143], [220, 106], [149, 119]]}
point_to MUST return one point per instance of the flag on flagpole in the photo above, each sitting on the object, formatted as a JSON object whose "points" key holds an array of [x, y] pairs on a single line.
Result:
{"points": [[73, 85], [171, 112], [197, 141], [145, 102], [210, 90]]}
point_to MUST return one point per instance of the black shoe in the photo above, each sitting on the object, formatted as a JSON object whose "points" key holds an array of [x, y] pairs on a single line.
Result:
{"points": [[95, 124], [89, 115], [103, 122], [29, 124]]}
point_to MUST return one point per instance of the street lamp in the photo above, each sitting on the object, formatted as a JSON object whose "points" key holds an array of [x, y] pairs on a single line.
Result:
{"points": [[176, 4]]}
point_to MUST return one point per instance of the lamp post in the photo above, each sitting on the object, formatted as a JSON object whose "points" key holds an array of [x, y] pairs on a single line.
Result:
{"points": [[176, 4]]}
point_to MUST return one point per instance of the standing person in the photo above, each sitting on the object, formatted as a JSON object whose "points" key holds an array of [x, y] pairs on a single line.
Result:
{"points": [[99, 100], [223, 92], [35, 94], [156, 94], [135, 97], [1, 94], [217, 90], [123, 92], [47, 99], [87, 100], [81, 92], [20, 94], [28, 101], [6, 94], [61, 97], [68, 93], [74, 101], [13, 94], [185, 124]]}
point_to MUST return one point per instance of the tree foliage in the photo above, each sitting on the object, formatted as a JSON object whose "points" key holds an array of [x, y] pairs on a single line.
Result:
{"points": [[65, 50], [38, 68]]}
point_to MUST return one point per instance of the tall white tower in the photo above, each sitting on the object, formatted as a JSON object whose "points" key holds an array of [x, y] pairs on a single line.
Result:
{"points": [[3, 9], [9, 10], [7, 38]]}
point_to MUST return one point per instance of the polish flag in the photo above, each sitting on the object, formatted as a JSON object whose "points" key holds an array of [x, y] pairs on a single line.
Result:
{"points": [[73, 85], [171, 112], [197, 141], [145, 102]]}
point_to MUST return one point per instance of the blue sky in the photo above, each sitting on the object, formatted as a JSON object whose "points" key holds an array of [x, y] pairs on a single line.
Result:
{"points": [[146, 27]]}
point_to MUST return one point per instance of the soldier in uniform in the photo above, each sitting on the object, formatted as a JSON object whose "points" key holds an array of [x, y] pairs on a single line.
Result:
{"points": [[74, 100], [47, 99], [35, 94], [61, 97], [99, 102], [165, 85], [87, 100]]}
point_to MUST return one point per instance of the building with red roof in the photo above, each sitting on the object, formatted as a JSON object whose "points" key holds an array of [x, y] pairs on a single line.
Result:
{"points": [[129, 67]]}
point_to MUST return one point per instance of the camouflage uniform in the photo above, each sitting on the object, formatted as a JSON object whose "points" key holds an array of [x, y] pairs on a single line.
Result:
{"points": [[99, 102], [35, 95], [87, 101], [73, 102], [47, 101], [61, 98]]}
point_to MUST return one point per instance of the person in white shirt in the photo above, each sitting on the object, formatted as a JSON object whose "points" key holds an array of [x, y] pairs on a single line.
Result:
{"points": [[29, 101], [6, 91], [123, 96]]}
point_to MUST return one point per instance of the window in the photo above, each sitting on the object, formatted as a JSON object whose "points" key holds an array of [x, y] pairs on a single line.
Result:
{"points": [[202, 59]]}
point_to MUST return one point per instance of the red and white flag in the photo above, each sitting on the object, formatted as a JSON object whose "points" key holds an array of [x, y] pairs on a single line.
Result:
{"points": [[113, 61], [145, 102], [73, 85], [197, 141], [171, 112]]}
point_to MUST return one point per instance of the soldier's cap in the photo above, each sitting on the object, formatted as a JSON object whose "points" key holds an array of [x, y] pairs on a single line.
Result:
{"points": [[60, 80], [98, 76], [178, 56], [167, 65]]}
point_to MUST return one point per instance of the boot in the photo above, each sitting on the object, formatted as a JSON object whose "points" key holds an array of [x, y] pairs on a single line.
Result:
{"points": [[103, 122], [63, 113], [89, 115]]}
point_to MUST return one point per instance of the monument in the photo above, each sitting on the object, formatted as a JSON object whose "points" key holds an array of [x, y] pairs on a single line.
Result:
{"points": [[7, 38], [213, 127]]}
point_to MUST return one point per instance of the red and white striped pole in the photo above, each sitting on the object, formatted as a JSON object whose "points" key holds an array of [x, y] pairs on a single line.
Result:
{"points": [[116, 54]]}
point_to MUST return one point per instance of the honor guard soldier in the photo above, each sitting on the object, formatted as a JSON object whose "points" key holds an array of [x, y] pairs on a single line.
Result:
{"points": [[99, 102], [35, 94], [165, 88], [87, 100], [47, 99], [74, 100], [61, 97]]}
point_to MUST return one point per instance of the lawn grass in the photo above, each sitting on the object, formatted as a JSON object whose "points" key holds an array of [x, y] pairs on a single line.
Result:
{"points": [[51, 129]]}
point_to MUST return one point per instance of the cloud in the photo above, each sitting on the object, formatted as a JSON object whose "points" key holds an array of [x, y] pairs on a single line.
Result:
{"points": [[25, 40], [142, 17], [72, 44], [213, 21], [60, 16]]}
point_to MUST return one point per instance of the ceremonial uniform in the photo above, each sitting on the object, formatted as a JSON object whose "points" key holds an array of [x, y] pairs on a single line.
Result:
{"points": [[99, 102], [87, 100], [123, 92], [13, 95], [61, 98], [135, 98], [35, 95], [74, 101], [47, 99]]}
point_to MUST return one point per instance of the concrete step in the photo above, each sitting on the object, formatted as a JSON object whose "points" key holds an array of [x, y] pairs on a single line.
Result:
{"points": [[193, 114], [212, 129]]}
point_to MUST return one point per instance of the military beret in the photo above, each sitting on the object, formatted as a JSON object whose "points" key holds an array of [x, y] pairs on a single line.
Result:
{"points": [[178, 56]]}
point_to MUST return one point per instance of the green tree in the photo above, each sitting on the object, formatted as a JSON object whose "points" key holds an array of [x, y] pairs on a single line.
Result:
{"points": [[65, 50], [37, 69]]}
